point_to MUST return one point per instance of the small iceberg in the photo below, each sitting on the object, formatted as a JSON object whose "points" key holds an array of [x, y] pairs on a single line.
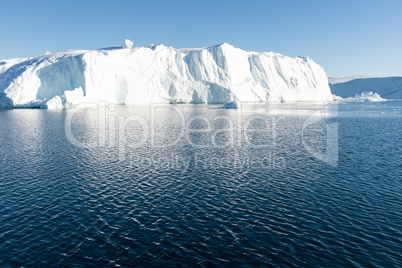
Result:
{"points": [[230, 105], [364, 96]]}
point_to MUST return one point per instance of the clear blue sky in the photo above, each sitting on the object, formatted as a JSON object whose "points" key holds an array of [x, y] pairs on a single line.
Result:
{"points": [[345, 37]]}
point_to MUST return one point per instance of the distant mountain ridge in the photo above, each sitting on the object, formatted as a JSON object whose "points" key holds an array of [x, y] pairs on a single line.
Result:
{"points": [[386, 87], [344, 79]]}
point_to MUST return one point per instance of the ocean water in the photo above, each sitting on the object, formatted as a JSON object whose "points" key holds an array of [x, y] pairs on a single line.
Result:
{"points": [[290, 184]]}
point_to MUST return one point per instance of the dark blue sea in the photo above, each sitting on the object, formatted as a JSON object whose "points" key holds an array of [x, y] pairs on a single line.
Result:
{"points": [[277, 185]]}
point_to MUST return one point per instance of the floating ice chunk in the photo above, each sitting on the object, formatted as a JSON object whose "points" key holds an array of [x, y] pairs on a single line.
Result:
{"points": [[230, 105], [366, 96], [127, 43]]}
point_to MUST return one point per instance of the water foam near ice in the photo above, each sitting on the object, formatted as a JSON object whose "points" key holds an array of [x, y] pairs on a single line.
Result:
{"points": [[160, 74]]}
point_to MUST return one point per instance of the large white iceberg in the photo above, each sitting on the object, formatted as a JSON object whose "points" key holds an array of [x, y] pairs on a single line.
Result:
{"points": [[161, 74]]}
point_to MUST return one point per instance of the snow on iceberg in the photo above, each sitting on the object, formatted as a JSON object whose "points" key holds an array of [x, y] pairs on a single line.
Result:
{"points": [[161, 74], [55, 103], [6, 64], [127, 43]]}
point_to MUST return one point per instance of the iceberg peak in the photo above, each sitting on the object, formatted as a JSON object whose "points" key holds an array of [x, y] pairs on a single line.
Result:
{"points": [[224, 45], [127, 43]]}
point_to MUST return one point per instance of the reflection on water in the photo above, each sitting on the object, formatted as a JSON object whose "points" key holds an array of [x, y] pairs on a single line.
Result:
{"points": [[296, 184]]}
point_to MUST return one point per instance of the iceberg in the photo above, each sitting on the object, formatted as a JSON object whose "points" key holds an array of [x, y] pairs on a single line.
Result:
{"points": [[367, 96], [160, 74], [364, 96]]}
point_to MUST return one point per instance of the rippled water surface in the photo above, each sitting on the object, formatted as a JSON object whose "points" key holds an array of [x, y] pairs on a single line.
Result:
{"points": [[265, 185]]}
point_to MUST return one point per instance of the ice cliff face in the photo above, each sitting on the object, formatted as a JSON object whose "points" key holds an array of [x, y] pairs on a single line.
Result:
{"points": [[160, 74]]}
